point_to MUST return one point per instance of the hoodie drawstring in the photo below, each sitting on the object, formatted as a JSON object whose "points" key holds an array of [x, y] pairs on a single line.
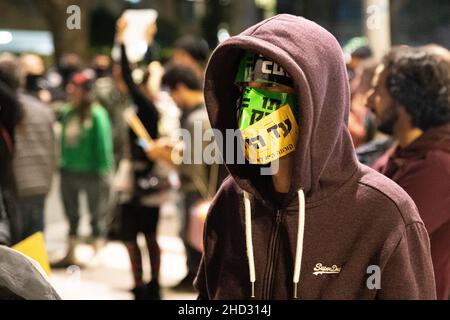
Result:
{"points": [[299, 249], [300, 237], [249, 241]]}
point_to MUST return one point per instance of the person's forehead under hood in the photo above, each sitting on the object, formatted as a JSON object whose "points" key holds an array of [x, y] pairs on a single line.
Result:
{"points": [[324, 158]]}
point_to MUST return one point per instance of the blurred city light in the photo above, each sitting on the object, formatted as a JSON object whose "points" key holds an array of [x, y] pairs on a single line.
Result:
{"points": [[5, 37], [222, 35], [13, 40]]}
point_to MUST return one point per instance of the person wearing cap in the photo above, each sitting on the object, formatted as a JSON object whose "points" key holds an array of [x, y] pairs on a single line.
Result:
{"points": [[299, 217], [86, 156]]}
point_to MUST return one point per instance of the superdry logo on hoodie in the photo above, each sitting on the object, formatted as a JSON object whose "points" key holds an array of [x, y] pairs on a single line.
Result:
{"points": [[320, 269]]}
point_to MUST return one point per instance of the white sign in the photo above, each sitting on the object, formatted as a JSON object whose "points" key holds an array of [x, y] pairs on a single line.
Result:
{"points": [[135, 38]]}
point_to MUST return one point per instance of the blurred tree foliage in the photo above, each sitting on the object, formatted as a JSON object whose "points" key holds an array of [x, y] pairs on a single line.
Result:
{"points": [[215, 14], [103, 24], [66, 40], [413, 22], [420, 21]]}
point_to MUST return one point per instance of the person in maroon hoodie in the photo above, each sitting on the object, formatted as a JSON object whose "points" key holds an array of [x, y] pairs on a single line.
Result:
{"points": [[324, 226], [411, 99]]}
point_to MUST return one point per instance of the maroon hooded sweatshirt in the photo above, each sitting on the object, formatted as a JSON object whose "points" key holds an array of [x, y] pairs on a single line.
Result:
{"points": [[354, 221], [423, 170]]}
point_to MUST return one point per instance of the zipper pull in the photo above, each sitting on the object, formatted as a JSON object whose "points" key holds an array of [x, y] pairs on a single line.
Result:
{"points": [[278, 220]]}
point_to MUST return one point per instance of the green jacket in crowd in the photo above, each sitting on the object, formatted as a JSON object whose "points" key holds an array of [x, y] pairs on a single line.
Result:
{"points": [[86, 147]]}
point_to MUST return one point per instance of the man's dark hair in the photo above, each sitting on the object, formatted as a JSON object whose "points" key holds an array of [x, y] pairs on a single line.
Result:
{"points": [[181, 74], [420, 81], [362, 53], [390, 58], [197, 48]]}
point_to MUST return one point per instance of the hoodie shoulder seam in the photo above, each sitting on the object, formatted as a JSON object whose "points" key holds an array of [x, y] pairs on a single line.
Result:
{"points": [[403, 235], [392, 201]]}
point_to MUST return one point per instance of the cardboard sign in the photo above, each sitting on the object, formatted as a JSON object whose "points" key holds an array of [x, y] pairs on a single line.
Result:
{"points": [[272, 137], [34, 247], [135, 40]]}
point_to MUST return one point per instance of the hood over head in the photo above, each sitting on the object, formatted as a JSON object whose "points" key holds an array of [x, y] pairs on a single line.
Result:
{"points": [[324, 156]]}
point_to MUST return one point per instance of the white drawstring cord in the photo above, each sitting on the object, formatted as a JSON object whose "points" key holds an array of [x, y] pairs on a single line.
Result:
{"points": [[249, 241], [299, 249], [300, 237]]}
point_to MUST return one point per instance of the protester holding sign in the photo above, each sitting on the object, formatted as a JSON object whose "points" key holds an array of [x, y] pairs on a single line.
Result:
{"points": [[140, 206]]}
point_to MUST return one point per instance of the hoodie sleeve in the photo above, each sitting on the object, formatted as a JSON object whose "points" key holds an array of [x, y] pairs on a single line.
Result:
{"points": [[408, 273]]}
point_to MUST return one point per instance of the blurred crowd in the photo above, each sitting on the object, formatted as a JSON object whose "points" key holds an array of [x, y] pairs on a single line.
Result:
{"points": [[107, 128], [400, 124]]}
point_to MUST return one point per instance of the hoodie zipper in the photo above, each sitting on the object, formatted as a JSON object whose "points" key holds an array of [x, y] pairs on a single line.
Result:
{"points": [[273, 243]]}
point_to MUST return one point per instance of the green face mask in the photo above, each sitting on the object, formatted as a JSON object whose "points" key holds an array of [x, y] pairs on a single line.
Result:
{"points": [[268, 124], [268, 120], [255, 104], [255, 68]]}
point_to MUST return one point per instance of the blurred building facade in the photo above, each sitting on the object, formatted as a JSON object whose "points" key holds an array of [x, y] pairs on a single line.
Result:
{"points": [[345, 19]]}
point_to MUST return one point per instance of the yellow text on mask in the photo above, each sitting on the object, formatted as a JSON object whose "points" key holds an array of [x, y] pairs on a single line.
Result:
{"points": [[272, 137]]}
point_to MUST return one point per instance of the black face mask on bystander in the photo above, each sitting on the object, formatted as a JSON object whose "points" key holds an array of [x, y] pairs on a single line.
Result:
{"points": [[33, 82]]}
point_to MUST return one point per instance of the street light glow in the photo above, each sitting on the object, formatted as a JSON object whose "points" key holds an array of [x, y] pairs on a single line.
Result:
{"points": [[5, 37], [222, 35]]}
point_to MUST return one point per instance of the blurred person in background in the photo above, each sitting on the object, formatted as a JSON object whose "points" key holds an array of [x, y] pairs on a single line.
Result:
{"points": [[382, 150], [35, 154], [10, 114], [59, 77], [140, 206], [191, 51], [370, 152], [360, 115], [357, 57], [359, 63], [411, 100], [101, 64], [111, 92], [185, 88], [33, 72], [86, 158]]}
